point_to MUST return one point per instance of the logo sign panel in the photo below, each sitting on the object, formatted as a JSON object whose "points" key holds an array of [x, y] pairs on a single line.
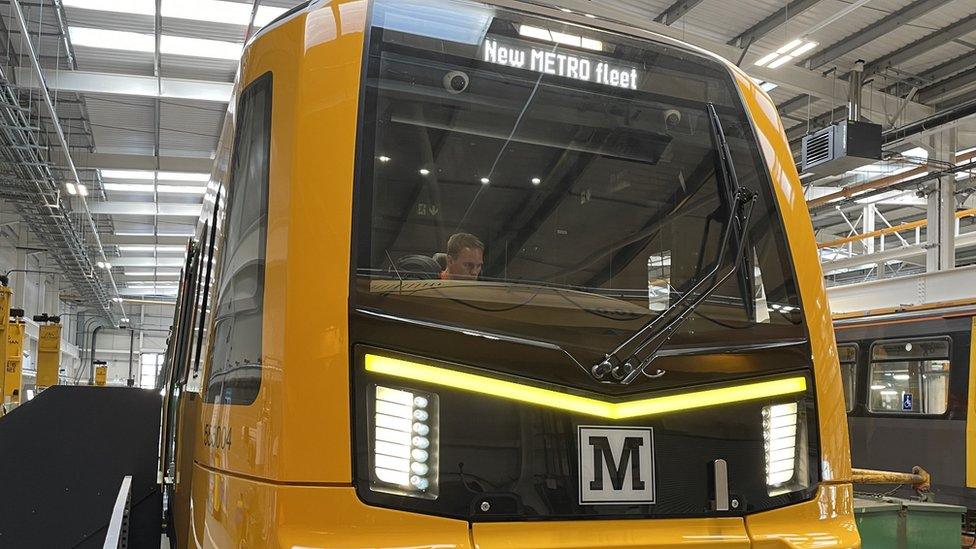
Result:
{"points": [[616, 465]]}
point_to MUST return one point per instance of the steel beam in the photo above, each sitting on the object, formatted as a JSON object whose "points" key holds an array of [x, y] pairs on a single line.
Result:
{"points": [[674, 12], [922, 45], [127, 84], [872, 32], [795, 104], [146, 208], [952, 86], [913, 252], [109, 161], [756, 32], [958, 100], [935, 287], [146, 240], [147, 262]]}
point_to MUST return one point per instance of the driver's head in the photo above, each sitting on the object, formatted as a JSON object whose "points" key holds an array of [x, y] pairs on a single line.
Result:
{"points": [[465, 257]]}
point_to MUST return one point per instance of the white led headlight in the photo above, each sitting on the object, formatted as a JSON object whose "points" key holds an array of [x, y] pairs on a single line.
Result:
{"points": [[403, 442], [784, 445]]}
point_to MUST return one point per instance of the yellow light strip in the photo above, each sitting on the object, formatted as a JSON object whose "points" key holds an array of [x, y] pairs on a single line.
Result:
{"points": [[553, 399]]}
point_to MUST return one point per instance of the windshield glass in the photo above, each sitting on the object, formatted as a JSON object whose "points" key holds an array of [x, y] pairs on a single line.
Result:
{"points": [[538, 179]]}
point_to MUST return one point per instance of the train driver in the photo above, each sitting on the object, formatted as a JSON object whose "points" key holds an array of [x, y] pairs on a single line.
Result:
{"points": [[465, 257]]}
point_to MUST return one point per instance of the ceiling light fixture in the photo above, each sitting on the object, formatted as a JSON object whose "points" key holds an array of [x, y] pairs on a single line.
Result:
{"points": [[72, 190], [786, 53], [82, 190], [171, 45], [485, 181], [214, 11], [558, 37], [149, 175]]}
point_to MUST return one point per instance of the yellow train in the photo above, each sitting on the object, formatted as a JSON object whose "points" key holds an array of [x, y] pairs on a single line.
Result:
{"points": [[501, 275]]}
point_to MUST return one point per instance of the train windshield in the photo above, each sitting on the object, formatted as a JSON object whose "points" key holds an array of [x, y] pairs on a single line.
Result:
{"points": [[533, 178]]}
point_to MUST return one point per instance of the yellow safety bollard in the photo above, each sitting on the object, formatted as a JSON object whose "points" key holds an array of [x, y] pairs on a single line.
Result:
{"points": [[101, 371], [48, 350], [5, 294], [13, 360]]}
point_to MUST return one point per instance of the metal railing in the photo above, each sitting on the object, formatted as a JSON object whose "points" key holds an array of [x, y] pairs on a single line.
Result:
{"points": [[117, 536]]}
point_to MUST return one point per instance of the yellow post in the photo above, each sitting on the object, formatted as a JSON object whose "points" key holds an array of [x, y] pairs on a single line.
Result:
{"points": [[101, 370], [48, 355], [14, 362], [4, 316]]}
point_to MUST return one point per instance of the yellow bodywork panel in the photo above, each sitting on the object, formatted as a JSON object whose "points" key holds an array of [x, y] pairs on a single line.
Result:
{"points": [[835, 451], [825, 521], [298, 430], [724, 533], [971, 413], [229, 511], [48, 354]]}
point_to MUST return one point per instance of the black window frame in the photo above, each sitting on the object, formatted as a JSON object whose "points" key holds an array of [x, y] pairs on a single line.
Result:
{"points": [[850, 406], [870, 366]]}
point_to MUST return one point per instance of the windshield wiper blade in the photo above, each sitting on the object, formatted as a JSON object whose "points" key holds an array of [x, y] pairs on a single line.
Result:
{"points": [[630, 358]]}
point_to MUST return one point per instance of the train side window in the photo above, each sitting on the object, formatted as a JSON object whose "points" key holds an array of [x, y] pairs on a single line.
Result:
{"points": [[910, 377], [847, 353], [234, 375]]}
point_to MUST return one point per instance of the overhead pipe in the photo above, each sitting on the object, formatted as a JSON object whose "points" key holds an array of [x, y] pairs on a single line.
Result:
{"points": [[854, 85], [896, 135], [853, 191]]}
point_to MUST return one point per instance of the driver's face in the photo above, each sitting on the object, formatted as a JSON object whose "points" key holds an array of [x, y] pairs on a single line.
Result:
{"points": [[467, 264]]}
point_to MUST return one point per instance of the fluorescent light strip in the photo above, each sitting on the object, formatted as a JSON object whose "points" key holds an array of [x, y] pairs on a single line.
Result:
{"points": [[186, 234], [766, 59], [415, 371], [148, 188], [803, 49], [173, 45], [215, 11], [781, 61], [149, 174], [151, 248], [790, 46], [560, 37]]}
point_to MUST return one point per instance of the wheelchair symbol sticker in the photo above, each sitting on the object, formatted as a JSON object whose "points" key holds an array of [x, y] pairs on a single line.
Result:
{"points": [[906, 401]]}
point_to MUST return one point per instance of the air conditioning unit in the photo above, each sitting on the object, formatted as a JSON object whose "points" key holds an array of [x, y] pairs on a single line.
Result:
{"points": [[841, 147]]}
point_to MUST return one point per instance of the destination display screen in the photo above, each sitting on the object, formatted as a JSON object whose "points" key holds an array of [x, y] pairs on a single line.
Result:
{"points": [[558, 61]]}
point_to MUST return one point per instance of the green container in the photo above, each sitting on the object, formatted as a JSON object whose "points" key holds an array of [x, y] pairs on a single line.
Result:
{"points": [[895, 523], [878, 523], [933, 525]]}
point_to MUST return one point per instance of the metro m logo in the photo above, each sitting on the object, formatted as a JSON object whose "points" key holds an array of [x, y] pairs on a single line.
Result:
{"points": [[625, 456]]}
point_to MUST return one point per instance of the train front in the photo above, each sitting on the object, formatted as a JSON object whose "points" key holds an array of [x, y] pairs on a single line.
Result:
{"points": [[577, 313], [534, 280]]}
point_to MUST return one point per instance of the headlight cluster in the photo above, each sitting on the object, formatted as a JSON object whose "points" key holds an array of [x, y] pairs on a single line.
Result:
{"points": [[784, 444], [403, 442]]}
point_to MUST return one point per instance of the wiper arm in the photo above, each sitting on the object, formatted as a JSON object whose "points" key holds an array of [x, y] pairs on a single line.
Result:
{"points": [[631, 357]]}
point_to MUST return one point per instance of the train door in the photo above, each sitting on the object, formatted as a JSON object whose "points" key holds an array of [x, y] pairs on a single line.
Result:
{"points": [[175, 371]]}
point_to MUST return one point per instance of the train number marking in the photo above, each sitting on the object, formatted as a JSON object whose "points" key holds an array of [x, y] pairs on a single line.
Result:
{"points": [[217, 436]]}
